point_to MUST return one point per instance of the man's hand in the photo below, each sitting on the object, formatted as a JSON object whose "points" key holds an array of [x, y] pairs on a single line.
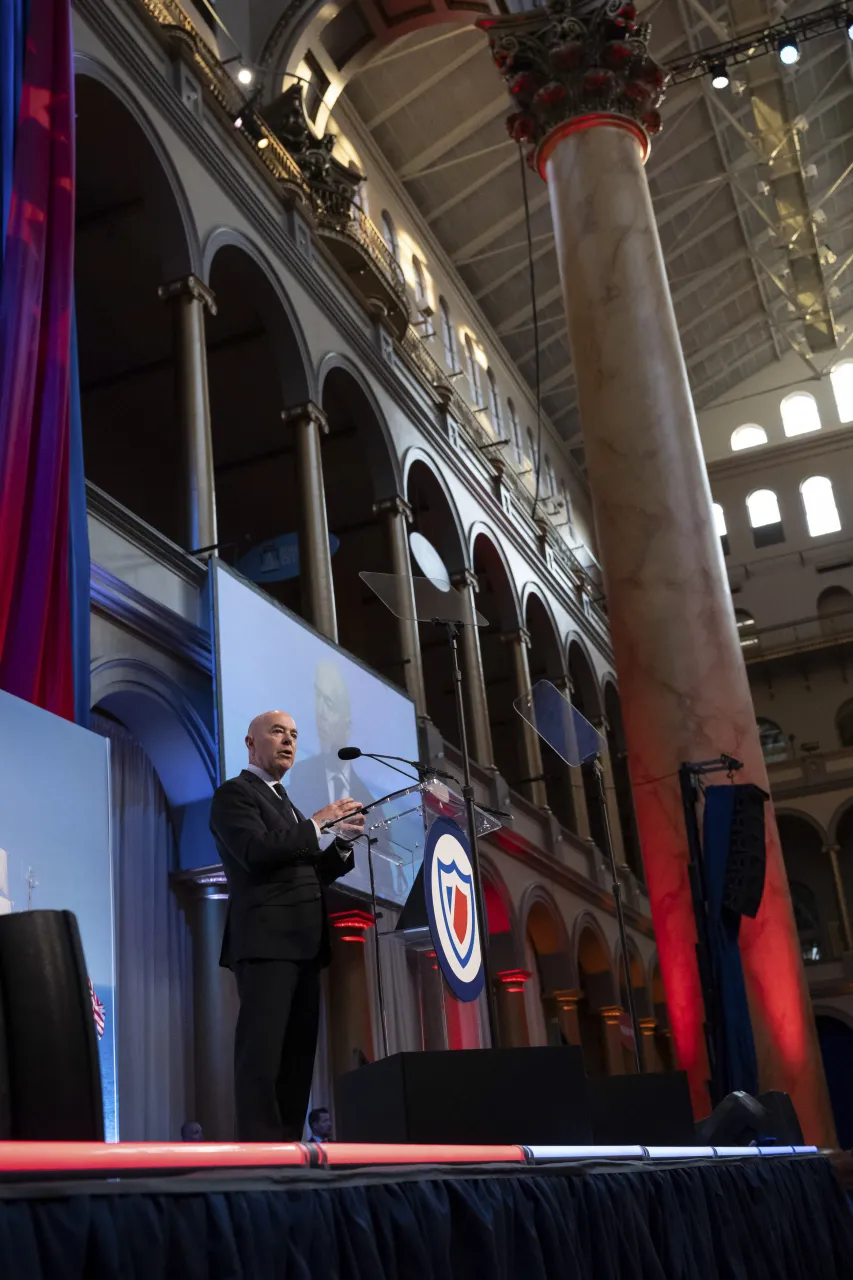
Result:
{"points": [[346, 808]]}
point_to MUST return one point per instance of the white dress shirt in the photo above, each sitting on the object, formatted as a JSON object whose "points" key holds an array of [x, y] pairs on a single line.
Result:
{"points": [[324, 838]]}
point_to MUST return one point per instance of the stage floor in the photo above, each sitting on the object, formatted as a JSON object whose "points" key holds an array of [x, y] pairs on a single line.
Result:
{"points": [[509, 1213]]}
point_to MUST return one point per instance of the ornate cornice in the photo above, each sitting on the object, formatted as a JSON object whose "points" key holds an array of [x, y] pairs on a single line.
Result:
{"points": [[573, 64], [153, 622]]}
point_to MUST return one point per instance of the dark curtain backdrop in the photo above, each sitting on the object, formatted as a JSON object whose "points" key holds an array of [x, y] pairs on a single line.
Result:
{"points": [[153, 957]]}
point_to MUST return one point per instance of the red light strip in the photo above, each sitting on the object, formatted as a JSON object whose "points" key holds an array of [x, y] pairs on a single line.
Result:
{"points": [[594, 121], [110, 1157]]}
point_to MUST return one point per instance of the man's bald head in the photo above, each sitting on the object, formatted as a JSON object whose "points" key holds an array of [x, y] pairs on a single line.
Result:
{"points": [[271, 740]]}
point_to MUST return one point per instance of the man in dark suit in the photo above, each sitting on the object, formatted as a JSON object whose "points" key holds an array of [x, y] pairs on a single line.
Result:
{"points": [[276, 940]]}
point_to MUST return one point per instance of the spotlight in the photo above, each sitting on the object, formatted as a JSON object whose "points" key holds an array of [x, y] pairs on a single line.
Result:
{"points": [[238, 123], [263, 142], [245, 75], [719, 75], [850, 26], [789, 51]]}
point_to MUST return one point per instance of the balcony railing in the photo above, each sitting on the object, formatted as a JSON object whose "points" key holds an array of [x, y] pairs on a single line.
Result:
{"points": [[821, 631], [340, 217]]}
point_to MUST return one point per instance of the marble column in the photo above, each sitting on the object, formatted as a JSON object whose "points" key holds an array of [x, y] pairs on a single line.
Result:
{"points": [[567, 1014], [649, 1051], [189, 298], [613, 818], [351, 1033], [587, 98], [611, 1016], [399, 515], [315, 559], [477, 705], [833, 850], [512, 1014], [531, 754], [205, 900]]}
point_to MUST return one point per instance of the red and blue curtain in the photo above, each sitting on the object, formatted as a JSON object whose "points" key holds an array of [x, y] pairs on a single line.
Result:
{"points": [[44, 555]]}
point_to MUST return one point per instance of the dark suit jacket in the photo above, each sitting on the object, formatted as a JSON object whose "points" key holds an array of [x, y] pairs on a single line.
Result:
{"points": [[276, 875]]}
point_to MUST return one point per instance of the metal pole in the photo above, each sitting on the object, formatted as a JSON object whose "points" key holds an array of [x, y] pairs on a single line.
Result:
{"points": [[371, 840], [468, 796], [620, 918]]}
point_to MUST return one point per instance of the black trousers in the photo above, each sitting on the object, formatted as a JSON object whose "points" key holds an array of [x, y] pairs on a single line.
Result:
{"points": [[274, 1047]]}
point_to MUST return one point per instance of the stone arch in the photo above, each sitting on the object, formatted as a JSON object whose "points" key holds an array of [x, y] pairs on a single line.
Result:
{"points": [[360, 472], [813, 892], [498, 602], [587, 698], [549, 960], [546, 661], [385, 470], [597, 984], [435, 517], [618, 751], [305, 386], [511, 614], [505, 948], [453, 540], [343, 43], [191, 260], [257, 367], [162, 719], [134, 232]]}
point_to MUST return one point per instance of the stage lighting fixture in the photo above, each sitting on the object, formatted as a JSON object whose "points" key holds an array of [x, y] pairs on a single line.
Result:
{"points": [[263, 142], [850, 26], [789, 51], [238, 123], [719, 75], [245, 75]]}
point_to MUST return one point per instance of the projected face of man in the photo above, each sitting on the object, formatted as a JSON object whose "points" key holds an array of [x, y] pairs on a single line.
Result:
{"points": [[332, 707], [271, 740]]}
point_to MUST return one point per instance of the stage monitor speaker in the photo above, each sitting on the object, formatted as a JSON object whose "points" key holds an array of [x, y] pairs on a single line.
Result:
{"points": [[741, 1119], [534, 1096], [745, 865], [51, 1047], [651, 1110], [782, 1123]]}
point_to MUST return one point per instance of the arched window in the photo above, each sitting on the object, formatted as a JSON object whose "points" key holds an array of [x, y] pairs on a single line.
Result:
{"points": [[720, 526], [447, 338], [389, 235], [531, 448], [421, 295], [746, 629], [550, 479], [748, 436], [473, 371], [841, 378], [819, 504], [835, 610], [567, 507], [515, 431], [799, 413], [765, 518], [772, 740], [494, 403]]}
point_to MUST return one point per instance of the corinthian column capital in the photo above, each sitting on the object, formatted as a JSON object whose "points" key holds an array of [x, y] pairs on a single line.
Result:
{"points": [[572, 65]]}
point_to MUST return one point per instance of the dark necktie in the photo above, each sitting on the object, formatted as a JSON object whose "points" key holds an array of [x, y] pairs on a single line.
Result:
{"points": [[282, 795]]}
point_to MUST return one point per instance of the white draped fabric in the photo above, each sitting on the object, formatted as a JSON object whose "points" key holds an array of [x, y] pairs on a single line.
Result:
{"points": [[153, 955]]}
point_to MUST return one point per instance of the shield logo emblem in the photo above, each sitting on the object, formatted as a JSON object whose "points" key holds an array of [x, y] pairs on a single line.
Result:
{"points": [[456, 889]]}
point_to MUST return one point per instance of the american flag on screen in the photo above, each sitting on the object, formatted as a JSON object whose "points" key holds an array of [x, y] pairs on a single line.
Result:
{"points": [[98, 1011]]}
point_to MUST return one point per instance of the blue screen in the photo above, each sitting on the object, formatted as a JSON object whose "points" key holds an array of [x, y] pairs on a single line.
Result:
{"points": [[267, 660], [55, 842]]}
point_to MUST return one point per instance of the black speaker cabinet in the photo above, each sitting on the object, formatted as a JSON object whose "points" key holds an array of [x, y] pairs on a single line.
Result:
{"points": [[647, 1111], [51, 1050], [533, 1096]]}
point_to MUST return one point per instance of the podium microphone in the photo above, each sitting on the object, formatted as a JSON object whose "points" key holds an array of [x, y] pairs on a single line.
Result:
{"points": [[422, 770]]}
